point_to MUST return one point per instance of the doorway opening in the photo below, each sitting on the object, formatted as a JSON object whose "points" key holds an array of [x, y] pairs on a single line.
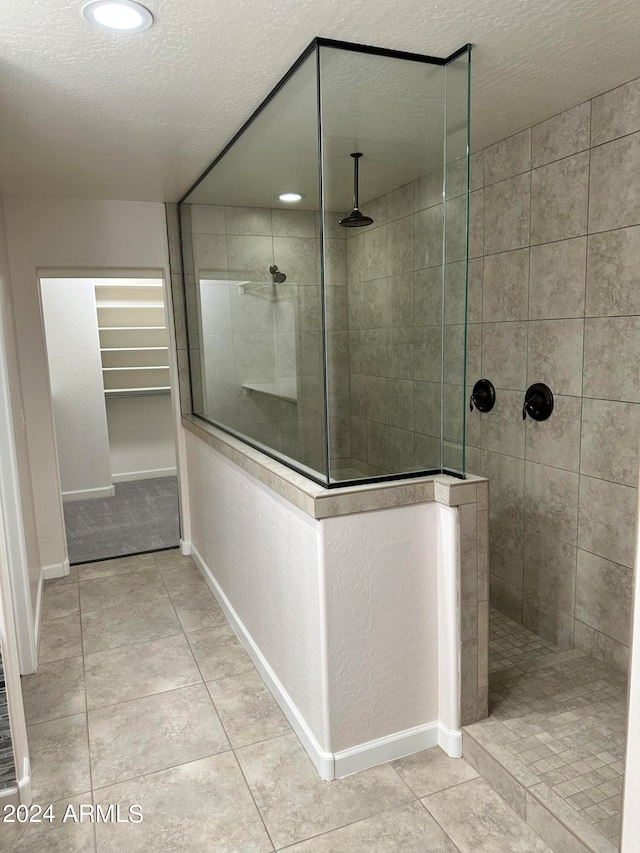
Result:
{"points": [[110, 380]]}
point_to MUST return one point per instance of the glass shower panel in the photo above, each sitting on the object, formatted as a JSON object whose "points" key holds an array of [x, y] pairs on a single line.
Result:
{"points": [[325, 268], [383, 274], [459, 343], [253, 281]]}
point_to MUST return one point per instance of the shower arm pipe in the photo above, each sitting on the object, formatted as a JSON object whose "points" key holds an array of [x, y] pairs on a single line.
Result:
{"points": [[356, 170]]}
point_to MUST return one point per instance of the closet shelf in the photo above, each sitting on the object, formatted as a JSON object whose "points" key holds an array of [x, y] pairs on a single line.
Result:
{"points": [[133, 349], [137, 392]]}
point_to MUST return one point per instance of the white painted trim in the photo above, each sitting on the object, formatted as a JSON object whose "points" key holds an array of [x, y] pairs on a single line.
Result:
{"points": [[450, 741], [19, 794], [11, 520], [38, 617], [385, 749], [331, 765], [56, 570], [89, 494], [151, 474], [322, 760], [185, 548]]}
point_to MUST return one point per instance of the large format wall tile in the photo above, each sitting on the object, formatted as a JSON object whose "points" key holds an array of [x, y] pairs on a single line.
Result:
{"points": [[555, 355], [614, 191], [504, 355], [550, 570], [506, 286], [613, 273], [604, 596], [509, 157], [611, 370], [556, 441], [616, 113], [601, 646], [502, 429], [557, 279], [559, 199], [507, 214], [551, 501], [609, 446], [561, 135], [607, 524]]}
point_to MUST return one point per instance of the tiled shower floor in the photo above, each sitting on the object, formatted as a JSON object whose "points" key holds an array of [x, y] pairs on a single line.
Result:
{"points": [[557, 724]]}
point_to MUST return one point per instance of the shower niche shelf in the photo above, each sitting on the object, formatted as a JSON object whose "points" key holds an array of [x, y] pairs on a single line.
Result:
{"points": [[133, 338]]}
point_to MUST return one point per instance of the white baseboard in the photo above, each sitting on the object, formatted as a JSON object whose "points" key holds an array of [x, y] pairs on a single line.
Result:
{"points": [[185, 548], [20, 793], [384, 749], [450, 741], [56, 570], [323, 760], [38, 616], [89, 494], [152, 474], [331, 765]]}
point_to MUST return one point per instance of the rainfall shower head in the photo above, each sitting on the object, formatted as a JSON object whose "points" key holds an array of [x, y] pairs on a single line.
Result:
{"points": [[356, 219], [278, 277]]}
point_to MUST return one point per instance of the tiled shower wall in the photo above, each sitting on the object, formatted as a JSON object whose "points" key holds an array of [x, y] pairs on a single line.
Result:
{"points": [[555, 227], [395, 289], [260, 334]]}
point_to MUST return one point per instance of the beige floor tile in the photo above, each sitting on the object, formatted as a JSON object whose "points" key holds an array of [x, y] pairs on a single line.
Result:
{"points": [[432, 770], [247, 709], [59, 754], [60, 601], [50, 837], [479, 821], [60, 638], [133, 588], [153, 733], [55, 690], [409, 829], [171, 559], [218, 653], [200, 807], [197, 611], [184, 580], [120, 566], [296, 804], [117, 675], [122, 626]]}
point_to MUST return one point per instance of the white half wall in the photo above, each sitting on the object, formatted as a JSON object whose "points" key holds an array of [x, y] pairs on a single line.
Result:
{"points": [[340, 615], [382, 622], [141, 437], [77, 390], [251, 539]]}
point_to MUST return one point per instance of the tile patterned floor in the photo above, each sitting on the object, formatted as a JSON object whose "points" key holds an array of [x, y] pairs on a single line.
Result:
{"points": [[145, 696], [511, 644], [561, 715]]}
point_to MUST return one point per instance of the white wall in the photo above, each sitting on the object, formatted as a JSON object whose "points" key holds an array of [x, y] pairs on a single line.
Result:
{"points": [[382, 622], [631, 812], [141, 437], [343, 610], [251, 538], [17, 496], [75, 370], [85, 235]]}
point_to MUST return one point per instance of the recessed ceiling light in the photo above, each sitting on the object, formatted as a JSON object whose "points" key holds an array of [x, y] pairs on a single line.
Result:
{"points": [[118, 16], [290, 196]]}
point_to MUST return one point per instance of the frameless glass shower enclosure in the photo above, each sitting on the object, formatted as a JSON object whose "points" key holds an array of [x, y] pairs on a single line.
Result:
{"points": [[325, 266]]}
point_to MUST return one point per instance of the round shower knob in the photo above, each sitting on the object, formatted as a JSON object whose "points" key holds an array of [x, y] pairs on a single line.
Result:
{"points": [[538, 402], [483, 396]]}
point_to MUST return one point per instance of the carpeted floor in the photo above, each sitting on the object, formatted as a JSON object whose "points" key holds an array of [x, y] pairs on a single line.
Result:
{"points": [[142, 516]]}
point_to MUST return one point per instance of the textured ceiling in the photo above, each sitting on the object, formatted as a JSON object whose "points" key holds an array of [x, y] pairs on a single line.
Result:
{"points": [[84, 113]]}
